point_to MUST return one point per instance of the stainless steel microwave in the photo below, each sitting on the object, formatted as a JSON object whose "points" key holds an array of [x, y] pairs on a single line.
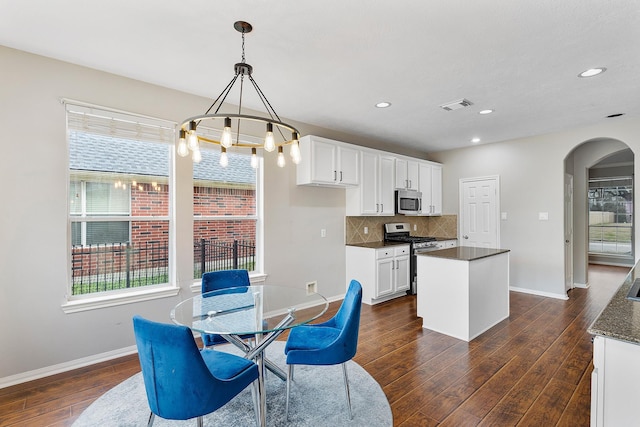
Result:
{"points": [[408, 202]]}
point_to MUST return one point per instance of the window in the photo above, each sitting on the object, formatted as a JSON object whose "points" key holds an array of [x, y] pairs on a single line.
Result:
{"points": [[225, 206], [119, 167], [610, 216]]}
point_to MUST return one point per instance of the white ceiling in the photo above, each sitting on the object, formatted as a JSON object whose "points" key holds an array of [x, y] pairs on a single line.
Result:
{"points": [[327, 62]]}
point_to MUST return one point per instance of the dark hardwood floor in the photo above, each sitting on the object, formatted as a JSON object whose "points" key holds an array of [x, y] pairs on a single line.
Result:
{"points": [[531, 370]]}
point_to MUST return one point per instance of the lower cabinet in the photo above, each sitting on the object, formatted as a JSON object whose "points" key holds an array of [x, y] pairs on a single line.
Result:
{"points": [[615, 382], [383, 272]]}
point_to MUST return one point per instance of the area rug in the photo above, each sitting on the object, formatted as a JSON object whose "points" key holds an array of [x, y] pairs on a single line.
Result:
{"points": [[317, 399]]}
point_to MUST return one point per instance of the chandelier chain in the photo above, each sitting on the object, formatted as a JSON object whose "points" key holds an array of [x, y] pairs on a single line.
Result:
{"points": [[243, 47]]}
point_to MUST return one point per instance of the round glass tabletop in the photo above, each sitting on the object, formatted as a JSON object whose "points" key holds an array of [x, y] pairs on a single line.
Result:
{"points": [[249, 310]]}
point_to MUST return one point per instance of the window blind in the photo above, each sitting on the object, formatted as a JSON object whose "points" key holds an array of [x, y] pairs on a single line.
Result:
{"points": [[103, 121]]}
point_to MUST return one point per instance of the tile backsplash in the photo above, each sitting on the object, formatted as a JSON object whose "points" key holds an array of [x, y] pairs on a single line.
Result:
{"points": [[436, 226]]}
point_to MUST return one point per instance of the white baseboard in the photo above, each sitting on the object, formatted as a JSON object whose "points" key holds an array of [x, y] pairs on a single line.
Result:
{"points": [[581, 285], [540, 293], [66, 366]]}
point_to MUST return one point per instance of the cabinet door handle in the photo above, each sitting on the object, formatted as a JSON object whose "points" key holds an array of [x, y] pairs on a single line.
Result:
{"points": [[377, 207], [381, 207], [335, 175], [340, 176], [397, 264]]}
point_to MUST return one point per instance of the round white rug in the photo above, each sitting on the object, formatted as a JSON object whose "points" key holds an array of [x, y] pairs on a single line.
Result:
{"points": [[317, 399]]}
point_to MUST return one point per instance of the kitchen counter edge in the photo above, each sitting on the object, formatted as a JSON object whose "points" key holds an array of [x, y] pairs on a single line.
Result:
{"points": [[619, 318], [464, 253]]}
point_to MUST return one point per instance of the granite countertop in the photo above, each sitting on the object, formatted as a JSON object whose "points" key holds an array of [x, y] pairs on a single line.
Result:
{"points": [[620, 319], [464, 253]]}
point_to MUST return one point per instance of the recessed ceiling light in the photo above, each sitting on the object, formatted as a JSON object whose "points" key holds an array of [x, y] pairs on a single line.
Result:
{"points": [[383, 104], [592, 72], [475, 140], [485, 112]]}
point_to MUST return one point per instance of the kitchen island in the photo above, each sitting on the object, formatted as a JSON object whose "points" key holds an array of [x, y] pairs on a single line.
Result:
{"points": [[615, 380], [463, 291]]}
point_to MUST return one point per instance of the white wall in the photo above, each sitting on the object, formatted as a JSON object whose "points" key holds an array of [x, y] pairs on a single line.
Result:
{"points": [[531, 175], [34, 332]]}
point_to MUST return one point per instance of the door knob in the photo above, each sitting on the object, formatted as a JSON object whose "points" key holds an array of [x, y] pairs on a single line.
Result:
{"points": [[465, 236]]}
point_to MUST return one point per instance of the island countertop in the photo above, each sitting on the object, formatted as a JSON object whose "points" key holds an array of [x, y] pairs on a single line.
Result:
{"points": [[464, 253], [620, 318]]}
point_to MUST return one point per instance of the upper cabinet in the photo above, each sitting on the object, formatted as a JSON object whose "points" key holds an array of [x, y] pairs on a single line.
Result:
{"points": [[407, 174], [430, 185], [369, 176], [327, 163], [375, 194]]}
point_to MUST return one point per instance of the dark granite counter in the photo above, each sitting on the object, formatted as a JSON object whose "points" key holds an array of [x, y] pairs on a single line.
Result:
{"points": [[620, 318], [464, 253]]}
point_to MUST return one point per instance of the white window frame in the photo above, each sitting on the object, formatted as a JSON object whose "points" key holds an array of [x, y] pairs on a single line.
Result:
{"points": [[258, 276], [140, 124]]}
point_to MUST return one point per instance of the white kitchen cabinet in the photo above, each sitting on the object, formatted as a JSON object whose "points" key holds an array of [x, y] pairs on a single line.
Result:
{"points": [[375, 194], [327, 163], [383, 272], [430, 180], [615, 382], [407, 174]]}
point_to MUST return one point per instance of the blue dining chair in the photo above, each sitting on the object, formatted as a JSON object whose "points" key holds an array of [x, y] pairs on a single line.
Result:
{"points": [[216, 280], [330, 343], [184, 382]]}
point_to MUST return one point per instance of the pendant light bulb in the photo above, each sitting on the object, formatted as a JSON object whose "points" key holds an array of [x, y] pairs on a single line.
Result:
{"points": [[254, 159], [196, 156], [192, 140], [224, 160], [294, 151], [269, 142], [281, 162], [183, 150], [226, 141]]}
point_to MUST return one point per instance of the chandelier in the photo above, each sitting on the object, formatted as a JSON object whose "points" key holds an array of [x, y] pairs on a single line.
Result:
{"points": [[232, 123]]}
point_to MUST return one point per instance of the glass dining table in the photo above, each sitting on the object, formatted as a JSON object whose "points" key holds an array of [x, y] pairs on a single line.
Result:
{"points": [[264, 311]]}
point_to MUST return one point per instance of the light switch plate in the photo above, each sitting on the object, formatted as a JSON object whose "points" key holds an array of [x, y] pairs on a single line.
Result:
{"points": [[543, 216], [503, 216]]}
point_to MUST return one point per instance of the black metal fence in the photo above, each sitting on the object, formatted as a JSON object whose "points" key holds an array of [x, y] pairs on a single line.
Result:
{"points": [[106, 267], [215, 255]]}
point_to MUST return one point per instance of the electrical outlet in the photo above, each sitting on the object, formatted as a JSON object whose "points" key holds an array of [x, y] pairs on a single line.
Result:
{"points": [[415, 227], [366, 230], [323, 232], [312, 287]]}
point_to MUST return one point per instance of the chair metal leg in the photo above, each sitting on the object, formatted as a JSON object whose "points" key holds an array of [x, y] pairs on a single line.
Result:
{"points": [[289, 379], [199, 422], [256, 401], [152, 417], [346, 389]]}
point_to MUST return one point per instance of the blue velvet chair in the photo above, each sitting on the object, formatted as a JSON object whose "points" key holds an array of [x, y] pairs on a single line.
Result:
{"points": [[184, 382], [216, 280], [330, 343]]}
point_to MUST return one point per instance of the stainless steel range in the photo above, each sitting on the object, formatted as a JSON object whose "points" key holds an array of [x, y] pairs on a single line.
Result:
{"points": [[401, 232]]}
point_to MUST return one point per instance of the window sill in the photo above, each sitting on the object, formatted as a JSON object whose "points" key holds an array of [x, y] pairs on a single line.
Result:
{"points": [[104, 301]]}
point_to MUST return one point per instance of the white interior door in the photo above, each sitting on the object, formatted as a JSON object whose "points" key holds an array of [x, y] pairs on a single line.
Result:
{"points": [[479, 208], [568, 232]]}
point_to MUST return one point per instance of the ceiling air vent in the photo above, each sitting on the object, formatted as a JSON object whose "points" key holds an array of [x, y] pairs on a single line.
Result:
{"points": [[456, 105]]}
